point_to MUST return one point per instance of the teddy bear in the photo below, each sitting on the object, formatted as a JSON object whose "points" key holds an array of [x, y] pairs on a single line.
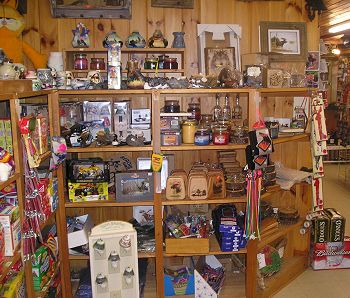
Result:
{"points": [[11, 27]]}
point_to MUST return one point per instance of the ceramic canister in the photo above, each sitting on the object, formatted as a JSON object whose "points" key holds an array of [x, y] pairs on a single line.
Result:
{"points": [[56, 61]]}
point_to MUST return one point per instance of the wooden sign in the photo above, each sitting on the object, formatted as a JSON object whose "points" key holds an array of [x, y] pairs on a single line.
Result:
{"points": [[173, 3], [258, 0]]}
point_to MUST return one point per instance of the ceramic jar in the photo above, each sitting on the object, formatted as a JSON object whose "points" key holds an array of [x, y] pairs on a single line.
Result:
{"points": [[112, 38], [135, 40], [179, 41], [55, 61]]}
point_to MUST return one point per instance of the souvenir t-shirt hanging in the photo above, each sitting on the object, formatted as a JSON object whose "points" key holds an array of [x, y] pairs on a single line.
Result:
{"points": [[257, 154]]}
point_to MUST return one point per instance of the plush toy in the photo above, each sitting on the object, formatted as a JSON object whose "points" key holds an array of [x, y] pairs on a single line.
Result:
{"points": [[11, 27], [7, 165]]}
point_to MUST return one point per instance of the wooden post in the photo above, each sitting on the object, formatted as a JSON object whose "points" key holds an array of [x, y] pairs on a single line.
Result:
{"points": [[251, 269]]}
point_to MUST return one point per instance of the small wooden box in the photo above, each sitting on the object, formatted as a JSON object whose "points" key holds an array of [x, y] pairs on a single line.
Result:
{"points": [[187, 245]]}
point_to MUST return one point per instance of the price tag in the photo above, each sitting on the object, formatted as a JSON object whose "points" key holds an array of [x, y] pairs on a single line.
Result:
{"points": [[281, 252], [261, 260]]}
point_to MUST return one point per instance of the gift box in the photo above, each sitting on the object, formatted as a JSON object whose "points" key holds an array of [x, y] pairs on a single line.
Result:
{"points": [[87, 191], [140, 116], [42, 266], [41, 134], [98, 110], [88, 170], [78, 234], [9, 219], [178, 280], [330, 255]]}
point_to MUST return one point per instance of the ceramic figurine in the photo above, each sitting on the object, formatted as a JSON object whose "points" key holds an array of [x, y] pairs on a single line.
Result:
{"points": [[69, 78], [135, 40], [157, 40], [94, 77], [112, 38], [125, 242], [81, 37], [7, 72], [45, 77], [179, 41]]}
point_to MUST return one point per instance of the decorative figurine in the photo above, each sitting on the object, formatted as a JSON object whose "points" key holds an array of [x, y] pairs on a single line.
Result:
{"points": [[157, 40], [114, 259], [112, 38], [94, 77], [135, 40], [81, 37], [179, 41]]}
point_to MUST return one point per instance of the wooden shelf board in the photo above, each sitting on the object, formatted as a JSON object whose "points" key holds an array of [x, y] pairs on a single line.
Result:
{"points": [[34, 93], [291, 268], [8, 263], [142, 70], [109, 149], [140, 255], [277, 92], [297, 137], [282, 230], [129, 50], [6, 96], [48, 220], [227, 200], [43, 292], [205, 91], [214, 249], [94, 204], [11, 179], [104, 92], [209, 147]]}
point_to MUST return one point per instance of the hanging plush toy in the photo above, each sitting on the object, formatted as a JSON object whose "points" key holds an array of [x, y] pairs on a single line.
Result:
{"points": [[11, 27]]}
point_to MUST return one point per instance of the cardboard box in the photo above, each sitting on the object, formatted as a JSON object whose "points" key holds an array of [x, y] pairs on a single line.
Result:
{"points": [[98, 110], [321, 227], [79, 238], [337, 225], [140, 116], [9, 219], [331, 255], [87, 191], [187, 245]]}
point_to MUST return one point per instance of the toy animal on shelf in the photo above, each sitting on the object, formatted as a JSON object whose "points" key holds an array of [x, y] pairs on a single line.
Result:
{"points": [[10, 36], [7, 164]]}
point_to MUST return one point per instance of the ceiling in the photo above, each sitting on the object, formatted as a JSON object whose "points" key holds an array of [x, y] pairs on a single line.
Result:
{"points": [[338, 11]]}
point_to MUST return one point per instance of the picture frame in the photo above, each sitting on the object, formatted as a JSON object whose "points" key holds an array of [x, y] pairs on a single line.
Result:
{"points": [[313, 60], [283, 41], [173, 3], [274, 78], [218, 58]]}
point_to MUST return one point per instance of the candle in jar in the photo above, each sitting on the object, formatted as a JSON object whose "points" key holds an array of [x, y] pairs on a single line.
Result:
{"points": [[189, 128]]}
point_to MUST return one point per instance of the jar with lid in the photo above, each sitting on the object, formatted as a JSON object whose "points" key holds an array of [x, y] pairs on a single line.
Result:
{"points": [[206, 121], [161, 60], [151, 63], [239, 135], [194, 109], [189, 128], [172, 106], [202, 136], [81, 62], [170, 63], [97, 64], [220, 135], [224, 122]]}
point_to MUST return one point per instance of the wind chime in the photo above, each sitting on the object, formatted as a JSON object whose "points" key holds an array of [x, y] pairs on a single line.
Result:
{"points": [[257, 156], [318, 149]]}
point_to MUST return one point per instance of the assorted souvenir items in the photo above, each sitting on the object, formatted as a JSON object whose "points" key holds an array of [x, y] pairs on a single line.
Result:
{"points": [[81, 36]]}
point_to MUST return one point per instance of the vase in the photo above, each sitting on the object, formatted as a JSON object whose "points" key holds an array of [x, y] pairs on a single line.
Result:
{"points": [[135, 40], [56, 61], [112, 38], [179, 41]]}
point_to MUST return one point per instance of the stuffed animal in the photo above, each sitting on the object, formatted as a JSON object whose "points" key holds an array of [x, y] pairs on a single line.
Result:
{"points": [[7, 164], [11, 27]]}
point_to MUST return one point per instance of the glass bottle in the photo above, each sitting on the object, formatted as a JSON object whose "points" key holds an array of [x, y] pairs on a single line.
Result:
{"points": [[237, 110], [226, 111], [217, 109]]}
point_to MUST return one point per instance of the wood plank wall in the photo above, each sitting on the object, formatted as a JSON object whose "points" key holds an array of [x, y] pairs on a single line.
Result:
{"points": [[48, 34]]}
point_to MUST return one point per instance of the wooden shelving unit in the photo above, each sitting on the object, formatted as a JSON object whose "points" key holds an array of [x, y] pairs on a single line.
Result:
{"points": [[8, 263], [242, 285]]}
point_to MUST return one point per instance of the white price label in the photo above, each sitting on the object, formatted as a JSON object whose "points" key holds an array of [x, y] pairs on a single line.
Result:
{"points": [[281, 252]]}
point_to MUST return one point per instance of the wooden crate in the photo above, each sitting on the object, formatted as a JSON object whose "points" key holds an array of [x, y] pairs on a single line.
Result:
{"points": [[187, 246]]}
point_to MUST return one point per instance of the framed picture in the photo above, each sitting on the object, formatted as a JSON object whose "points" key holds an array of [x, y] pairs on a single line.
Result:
{"points": [[283, 41], [218, 58], [173, 3]]}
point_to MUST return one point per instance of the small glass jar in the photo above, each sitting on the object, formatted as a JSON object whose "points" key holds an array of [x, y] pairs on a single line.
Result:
{"points": [[151, 63], [97, 64], [221, 135], [202, 136], [226, 123], [239, 135], [161, 60], [194, 109], [206, 119], [171, 106], [189, 128], [81, 62], [170, 63]]}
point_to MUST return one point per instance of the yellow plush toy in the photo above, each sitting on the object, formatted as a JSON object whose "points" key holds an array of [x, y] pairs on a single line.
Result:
{"points": [[11, 27]]}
